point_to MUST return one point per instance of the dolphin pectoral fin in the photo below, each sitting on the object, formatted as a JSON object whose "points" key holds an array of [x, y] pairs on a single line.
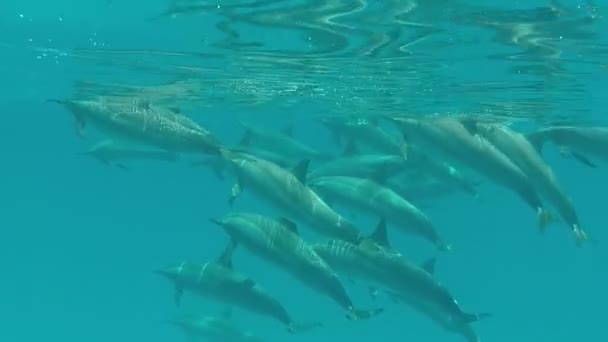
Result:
{"points": [[373, 292], [404, 148], [122, 166], [177, 296], [296, 328], [80, 125], [234, 193], [583, 159], [358, 314]]}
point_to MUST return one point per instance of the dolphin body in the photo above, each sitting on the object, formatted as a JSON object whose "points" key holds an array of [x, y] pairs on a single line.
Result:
{"points": [[218, 165], [361, 165], [450, 138], [279, 142], [214, 328], [404, 280], [135, 120], [376, 199], [278, 242], [219, 281], [287, 191], [111, 152], [370, 134], [515, 146], [578, 142]]}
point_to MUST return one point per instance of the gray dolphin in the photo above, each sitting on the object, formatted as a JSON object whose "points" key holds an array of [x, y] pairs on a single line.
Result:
{"points": [[218, 165], [287, 191], [515, 146], [360, 165], [404, 280], [214, 328], [137, 120], [111, 152], [578, 142], [367, 132], [219, 281], [450, 138], [278, 242], [279, 142], [376, 199]]}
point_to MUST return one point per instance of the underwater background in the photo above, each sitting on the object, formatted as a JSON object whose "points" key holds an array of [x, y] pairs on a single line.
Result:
{"points": [[80, 240]]}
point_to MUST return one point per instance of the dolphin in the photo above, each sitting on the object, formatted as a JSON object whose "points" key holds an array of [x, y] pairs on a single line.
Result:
{"points": [[279, 142], [218, 165], [405, 281], [278, 242], [109, 151], [578, 142], [362, 131], [219, 281], [376, 199], [286, 190], [368, 132], [450, 138], [214, 328], [515, 146], [137, 120], [361, 165]]}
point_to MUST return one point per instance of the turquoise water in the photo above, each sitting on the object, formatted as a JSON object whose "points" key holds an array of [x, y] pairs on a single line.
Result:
{"points": [[80, 240]]}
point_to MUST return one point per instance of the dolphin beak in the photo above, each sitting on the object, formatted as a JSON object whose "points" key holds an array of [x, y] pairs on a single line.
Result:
{"points": [[215, 221], [163, 272]]}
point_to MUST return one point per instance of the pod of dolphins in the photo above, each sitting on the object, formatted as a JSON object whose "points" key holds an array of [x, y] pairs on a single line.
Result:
{"points": [[380, 172]]}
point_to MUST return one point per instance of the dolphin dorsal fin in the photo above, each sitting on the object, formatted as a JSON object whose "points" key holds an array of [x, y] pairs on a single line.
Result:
{"points": [[470, 124], [248, 283], [227, 313], [429, 265], [289, 224], [301, 170], [350, 149], [380, 175], [380, 234], [225, 259], [247, 138], [288, 131], [144, 104]]}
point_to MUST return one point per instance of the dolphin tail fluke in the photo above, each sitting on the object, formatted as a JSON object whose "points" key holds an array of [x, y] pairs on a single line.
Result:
{"points": [[581, 236], [358, 314], [545, 218], [213, 165], [297, 328], [475, 317], [61, 102]]}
